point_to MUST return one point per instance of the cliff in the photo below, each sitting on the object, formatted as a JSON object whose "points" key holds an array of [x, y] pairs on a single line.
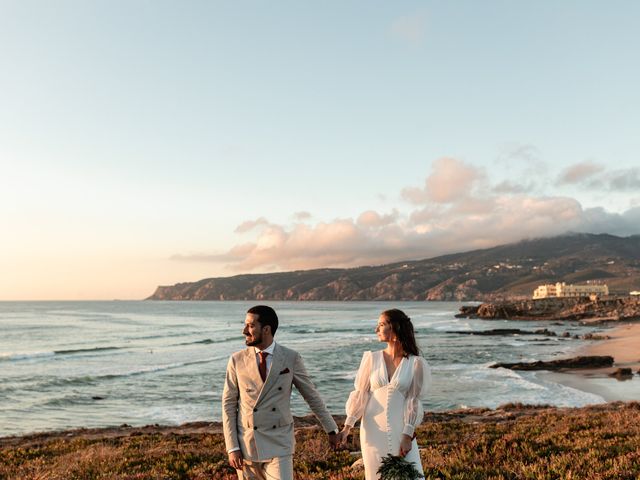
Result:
{"points": [[504, 272]]}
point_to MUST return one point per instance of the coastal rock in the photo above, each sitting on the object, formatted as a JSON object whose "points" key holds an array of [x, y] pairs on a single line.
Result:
{"points": [[622, 373], [614, 309], [594, 336], [596, 361], [504, 331], [468, 311]]}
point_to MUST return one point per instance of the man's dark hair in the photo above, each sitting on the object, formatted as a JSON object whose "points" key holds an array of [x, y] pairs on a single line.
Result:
{"points": [[266, 316]]}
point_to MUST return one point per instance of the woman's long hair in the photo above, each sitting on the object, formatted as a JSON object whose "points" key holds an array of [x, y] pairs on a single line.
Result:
{"points": [[403, 328]]}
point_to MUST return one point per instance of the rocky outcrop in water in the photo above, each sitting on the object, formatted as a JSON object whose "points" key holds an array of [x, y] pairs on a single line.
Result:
{"points": [[566, 363], [622, 374], [504, 332]]}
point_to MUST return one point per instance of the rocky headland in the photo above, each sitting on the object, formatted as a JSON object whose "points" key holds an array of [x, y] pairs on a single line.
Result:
{"points": [[561, 309], [487, 275]]}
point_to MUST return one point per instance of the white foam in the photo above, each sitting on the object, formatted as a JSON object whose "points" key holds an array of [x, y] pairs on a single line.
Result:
{"points": [[11, 356]]}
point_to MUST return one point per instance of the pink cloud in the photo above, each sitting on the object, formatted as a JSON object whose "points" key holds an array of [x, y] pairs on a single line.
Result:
{"points": [[579, 172], [301, 216], [250, 225], [458, 211], [450, 180], [373, 219]]}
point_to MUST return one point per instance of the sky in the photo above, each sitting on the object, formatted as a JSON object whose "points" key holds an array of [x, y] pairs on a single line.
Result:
{"points": [[147, 143]]}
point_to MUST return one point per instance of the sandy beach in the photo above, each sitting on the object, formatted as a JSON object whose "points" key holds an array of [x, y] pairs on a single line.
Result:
{"points": [[624, 346]]}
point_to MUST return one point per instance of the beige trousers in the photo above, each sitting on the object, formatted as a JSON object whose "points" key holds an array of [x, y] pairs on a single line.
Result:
{"points": [[278, 468]]}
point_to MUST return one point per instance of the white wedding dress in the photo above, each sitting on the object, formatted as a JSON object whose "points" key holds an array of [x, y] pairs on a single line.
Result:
{"points": [[388, 408]]}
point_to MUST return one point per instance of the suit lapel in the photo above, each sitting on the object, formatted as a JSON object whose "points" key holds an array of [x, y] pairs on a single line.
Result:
{"points": [[251, 365], [277, 363]]}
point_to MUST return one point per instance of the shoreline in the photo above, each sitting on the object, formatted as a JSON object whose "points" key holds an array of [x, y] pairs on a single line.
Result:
{"points": [[624, 346]]}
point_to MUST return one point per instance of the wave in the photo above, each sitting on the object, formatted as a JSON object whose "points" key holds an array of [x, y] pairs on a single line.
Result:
{"points": [[95, 379], [318, 330], [86, 350], [209, 341], [12, 356], [15, 356]]}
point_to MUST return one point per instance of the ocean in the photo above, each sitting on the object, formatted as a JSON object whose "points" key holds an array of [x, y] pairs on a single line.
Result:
{"points": [[94, 364]]}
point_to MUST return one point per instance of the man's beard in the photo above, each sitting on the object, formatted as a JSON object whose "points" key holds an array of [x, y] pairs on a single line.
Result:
{"points": [[254, 342]]}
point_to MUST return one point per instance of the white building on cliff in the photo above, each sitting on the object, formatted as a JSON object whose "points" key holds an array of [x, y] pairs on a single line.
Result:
{"points": [[561, 289]]}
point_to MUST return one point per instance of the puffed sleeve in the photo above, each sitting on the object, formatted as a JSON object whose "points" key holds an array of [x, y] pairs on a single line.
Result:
{"points": [[418, 389], [358, 398]]}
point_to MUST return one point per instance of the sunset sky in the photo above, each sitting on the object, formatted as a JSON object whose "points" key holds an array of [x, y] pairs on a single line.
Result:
{"points": [[146, 143]]}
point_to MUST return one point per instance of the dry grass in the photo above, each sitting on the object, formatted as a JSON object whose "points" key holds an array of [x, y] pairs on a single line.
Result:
{"points": [[515, 442]]}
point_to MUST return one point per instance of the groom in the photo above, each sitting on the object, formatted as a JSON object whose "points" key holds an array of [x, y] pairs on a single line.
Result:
{"points": [[256, 413]]}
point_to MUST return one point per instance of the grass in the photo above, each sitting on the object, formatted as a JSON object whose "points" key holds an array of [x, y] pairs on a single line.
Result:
{"points": [[514, 442]]}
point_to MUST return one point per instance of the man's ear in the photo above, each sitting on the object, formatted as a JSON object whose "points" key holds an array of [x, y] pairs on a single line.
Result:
{"points": [[269, 329]]}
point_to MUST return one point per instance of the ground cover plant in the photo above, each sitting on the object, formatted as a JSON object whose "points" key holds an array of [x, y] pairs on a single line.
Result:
{"points": [[513, 442]]}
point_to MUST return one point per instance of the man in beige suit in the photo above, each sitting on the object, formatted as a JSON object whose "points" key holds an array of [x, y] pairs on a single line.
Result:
{"points": [[256, 411]]}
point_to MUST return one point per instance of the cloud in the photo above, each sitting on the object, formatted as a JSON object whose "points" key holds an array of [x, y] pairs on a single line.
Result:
{"points": [[410, 28], [373, 219], [250, 225], [579, 172], [457, 210], [302, 216], [622, 180], [449, 181], [595, 177], [507, 186]]}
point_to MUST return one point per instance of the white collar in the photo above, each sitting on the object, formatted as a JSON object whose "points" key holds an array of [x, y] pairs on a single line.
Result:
{"points": [[268, 350]]}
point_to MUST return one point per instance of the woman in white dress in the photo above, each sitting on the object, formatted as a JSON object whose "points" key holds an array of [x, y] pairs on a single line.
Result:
{"points": [[389, 387]]}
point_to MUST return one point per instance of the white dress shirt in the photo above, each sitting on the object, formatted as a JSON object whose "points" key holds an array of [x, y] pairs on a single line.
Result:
{"points": [[268, 350]]}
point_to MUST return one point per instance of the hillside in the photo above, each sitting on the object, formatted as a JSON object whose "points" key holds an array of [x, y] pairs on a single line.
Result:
{"points": [[507, 271]]}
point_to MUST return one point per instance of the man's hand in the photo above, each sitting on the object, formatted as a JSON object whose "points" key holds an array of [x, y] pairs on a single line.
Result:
{"points": [[334, 440], [235, 459], [405, 444]]}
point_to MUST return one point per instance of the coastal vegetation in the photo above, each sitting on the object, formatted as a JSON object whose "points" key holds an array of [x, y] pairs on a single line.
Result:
{"points": [[512, 442]]}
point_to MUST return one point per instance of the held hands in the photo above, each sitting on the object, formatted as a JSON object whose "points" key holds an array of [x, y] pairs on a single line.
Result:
{"points": [[405, 444], [333, 440], [235, 459], [342, 436]]}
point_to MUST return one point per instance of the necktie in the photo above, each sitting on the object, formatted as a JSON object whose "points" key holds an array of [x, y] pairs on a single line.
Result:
{"points": [[263, 365]]}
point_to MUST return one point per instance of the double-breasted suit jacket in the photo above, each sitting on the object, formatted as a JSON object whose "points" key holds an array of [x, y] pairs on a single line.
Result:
{"points": [[257, 416]]}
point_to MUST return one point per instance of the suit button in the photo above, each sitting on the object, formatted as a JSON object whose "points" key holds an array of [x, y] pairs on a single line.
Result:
{"points": [[255, 428], [273, 409], [274, 426], [279, 388], [255, 409]]}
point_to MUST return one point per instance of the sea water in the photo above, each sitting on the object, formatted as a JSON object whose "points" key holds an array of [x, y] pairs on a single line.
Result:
{"points": [[92, 364]]}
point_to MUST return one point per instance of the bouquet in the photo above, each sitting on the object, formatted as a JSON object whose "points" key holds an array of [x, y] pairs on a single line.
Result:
{"points": [[397, 468]]}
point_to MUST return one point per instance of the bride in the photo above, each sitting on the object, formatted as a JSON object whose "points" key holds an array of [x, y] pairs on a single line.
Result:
{"points": [[389, 387]]}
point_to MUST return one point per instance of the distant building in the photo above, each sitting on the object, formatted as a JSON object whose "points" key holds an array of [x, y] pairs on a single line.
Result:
{"points": [[561, 290], [545, 291]]}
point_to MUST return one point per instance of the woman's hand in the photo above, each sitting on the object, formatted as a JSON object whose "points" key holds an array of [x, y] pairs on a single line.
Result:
{"points": [[342, 436], [405, 444]]}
